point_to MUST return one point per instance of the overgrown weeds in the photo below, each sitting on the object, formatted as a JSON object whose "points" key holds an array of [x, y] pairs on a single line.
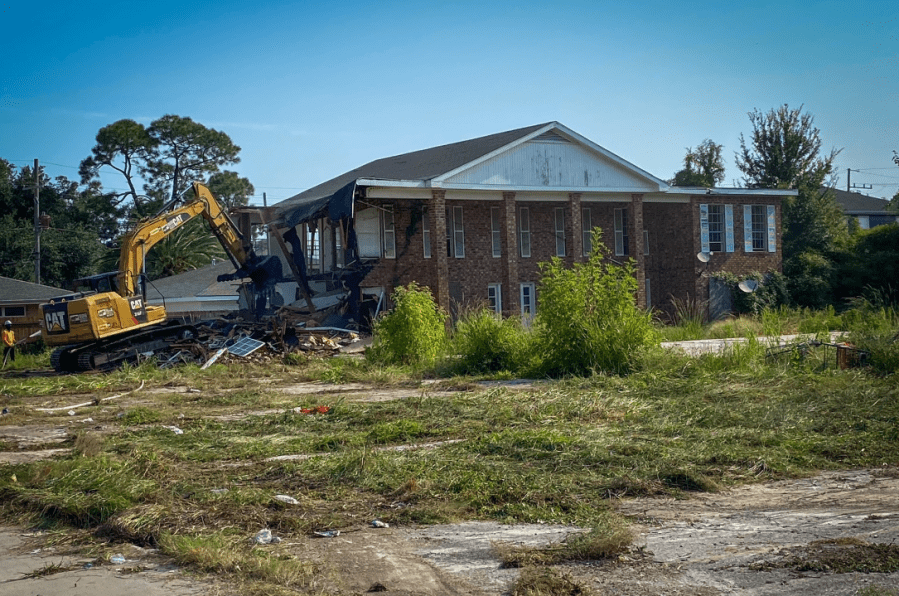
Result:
{"points": [[608, 538]]}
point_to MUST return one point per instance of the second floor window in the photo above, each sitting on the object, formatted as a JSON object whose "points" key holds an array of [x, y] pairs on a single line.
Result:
{"points": [[560, 231], [621, 239], [524, 232]]}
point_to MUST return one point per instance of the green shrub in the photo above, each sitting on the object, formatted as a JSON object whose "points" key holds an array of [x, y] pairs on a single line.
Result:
{"points": [[772, 291], [588, 319], [485, 342], [875, 329], [414, 332]]}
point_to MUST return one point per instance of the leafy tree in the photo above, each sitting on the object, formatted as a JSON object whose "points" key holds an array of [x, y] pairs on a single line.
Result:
{"points": [[784, 152], [186, 151], [230, 189], [702, 167], [124, 146], [70, 246], [872, 265]]}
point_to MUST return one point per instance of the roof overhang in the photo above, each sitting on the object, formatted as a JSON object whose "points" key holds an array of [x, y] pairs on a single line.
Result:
{"points": [[754, 192]]}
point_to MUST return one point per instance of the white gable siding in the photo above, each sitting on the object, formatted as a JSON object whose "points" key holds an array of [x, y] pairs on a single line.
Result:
{"points": [[552, 164]]}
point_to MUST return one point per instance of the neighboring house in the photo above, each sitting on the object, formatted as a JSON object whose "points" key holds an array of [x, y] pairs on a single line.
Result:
{"points": [[869, 212], [197, 294], [20, 303], [472, 220]]}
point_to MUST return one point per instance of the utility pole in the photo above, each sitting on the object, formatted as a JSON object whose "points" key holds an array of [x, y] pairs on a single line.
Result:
{"points": [[37, 222]]}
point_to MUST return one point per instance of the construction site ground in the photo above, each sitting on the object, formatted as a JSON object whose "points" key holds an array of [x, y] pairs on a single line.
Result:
{"points": [[706, 543]]}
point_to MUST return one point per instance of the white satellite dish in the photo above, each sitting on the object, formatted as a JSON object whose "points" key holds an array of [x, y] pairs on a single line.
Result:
{"points": [[748, 285], [703, 257]]}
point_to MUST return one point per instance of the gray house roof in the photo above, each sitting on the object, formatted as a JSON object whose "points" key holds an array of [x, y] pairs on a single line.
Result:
{"points": [[197, 282], [14, 290], [854, 203]]}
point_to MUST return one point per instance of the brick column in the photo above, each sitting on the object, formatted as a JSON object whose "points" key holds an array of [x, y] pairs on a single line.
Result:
{"points": [[510, 277], [437, 216], [577, 239], [637, 234]]}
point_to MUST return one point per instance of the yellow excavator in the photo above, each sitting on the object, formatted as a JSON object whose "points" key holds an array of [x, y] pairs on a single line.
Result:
{"points": [[108, 321]]}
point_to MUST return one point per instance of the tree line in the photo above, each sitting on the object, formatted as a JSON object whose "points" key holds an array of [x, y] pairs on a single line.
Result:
{"points": [[83, 220]]}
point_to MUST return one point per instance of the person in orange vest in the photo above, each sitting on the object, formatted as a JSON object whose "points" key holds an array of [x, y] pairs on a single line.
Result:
{"points": [[9, 342]]}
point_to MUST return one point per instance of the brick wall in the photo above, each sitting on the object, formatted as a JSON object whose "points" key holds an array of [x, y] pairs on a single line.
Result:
{"points": [[671, 265]]}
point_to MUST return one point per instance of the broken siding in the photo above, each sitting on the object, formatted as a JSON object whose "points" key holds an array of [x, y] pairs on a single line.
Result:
{"points": [[559, 164]]}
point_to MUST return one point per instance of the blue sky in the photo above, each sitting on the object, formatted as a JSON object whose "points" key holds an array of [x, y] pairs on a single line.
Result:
{"points": [[309, 90]]}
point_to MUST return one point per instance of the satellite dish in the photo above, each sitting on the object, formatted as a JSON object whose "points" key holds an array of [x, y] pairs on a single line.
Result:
{"points": [[703, 257], [748, 285]]}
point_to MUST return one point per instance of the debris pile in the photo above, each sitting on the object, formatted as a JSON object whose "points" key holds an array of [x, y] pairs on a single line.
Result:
{"points": [[228, 340]]}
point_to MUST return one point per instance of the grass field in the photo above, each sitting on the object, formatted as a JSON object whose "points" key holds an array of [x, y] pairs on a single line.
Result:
{"points": [[555, 452]]}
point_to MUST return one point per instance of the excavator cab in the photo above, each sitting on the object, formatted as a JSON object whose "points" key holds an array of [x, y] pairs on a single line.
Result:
{"points": [[107, 282]]}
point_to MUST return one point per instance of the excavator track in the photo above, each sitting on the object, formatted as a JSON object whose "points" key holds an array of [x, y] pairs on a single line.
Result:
{"points": [[107, 354]]}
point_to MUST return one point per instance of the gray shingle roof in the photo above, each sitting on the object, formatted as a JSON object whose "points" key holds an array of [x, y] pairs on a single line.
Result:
{"points": [[854, 202], [197, 282], [25, 291], [417, 165]]}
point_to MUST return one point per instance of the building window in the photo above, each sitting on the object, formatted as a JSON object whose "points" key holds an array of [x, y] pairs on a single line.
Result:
{"points": [[560, 231], [455, 233], [366, 226], [621, 240], [14, 311], [495, 298], [458, 233], [864, 222], [528, 304], [495, 232], [524, 232], [759, 233], [426, 233], [716, 228], [389, 232], [648, 294], [586, 231], [645, 242]]}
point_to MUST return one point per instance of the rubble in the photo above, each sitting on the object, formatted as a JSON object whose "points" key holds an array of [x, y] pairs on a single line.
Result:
{"points": [[235, 339]]}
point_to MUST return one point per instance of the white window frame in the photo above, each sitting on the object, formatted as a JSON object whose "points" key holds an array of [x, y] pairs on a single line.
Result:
{"points": [[7, 314], [621, 236], [388, 232], [755, 228], [524, 232], [449, 232], [368, 232], [496, 234], [716, 228], [495, 298], [425, 233], [527, 294], [559, 217], [586, 231], [458, 233]]}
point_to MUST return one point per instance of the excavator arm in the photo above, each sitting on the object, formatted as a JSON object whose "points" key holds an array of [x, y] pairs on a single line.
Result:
{"points": [[148, 233]]}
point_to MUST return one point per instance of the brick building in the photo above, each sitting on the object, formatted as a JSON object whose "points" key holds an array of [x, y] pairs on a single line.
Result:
{"points": [[473, 219]]}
